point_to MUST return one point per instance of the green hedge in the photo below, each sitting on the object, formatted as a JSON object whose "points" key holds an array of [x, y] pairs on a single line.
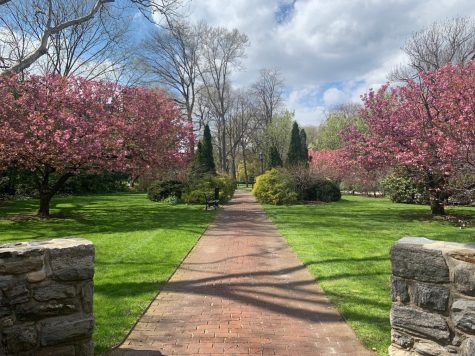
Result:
{"points": [[275, 187], [322, 190], [195, 192], [161, 190]]}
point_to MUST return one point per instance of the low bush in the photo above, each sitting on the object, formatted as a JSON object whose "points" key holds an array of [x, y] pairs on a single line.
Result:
{"points": [[165, 189], [195, 192], [322, 190], [275, 187], [402, 188]]}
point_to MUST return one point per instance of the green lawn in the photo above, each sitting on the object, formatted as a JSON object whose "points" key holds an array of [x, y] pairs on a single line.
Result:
{"points": [[346, 247], [139, 244]]}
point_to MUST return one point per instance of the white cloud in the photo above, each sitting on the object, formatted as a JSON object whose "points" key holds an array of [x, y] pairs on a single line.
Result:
{"points": [[322, 42], [334, 96]]}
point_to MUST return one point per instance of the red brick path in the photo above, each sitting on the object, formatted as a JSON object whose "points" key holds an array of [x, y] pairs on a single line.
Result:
{"points": [[241, 290]]}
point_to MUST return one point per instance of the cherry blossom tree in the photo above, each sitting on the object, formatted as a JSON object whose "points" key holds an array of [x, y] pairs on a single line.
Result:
{"points": [[427, 126], [56, 126]]}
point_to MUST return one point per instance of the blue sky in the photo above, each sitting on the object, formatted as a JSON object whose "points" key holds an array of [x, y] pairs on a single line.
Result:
{"points": [[329, 51]]}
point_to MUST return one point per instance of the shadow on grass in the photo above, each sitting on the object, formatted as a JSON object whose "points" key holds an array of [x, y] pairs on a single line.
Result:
{"points": [[118, 213]]}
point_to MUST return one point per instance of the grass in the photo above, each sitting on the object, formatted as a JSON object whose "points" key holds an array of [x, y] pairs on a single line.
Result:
{"points": [[346, 247], [139, 244]]}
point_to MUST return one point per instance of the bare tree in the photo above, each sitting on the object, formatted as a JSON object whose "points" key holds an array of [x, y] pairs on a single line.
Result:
{"points": [[451, 41], [221, 52], [29, 25], [269, 90], [92, 49], [170, 57]]}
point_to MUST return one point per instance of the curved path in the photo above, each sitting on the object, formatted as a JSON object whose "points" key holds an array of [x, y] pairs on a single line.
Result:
{"points": [[241, 290]]}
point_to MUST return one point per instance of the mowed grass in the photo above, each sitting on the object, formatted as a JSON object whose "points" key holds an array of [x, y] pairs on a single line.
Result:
{"points": [[139, 244], [346, 247]]}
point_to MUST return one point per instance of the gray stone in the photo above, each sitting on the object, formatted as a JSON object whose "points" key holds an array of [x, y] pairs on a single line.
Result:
{"points": [[21, 264], [419, 323], [399, 290], [429, 348], [66, 328], [20, 338], [85, 348], [464, 278], [67, 350], [37, 276], [36, 311], [73, 264], [430, 296], [7, 281], [7, 321], [412, 261], [401, 340], [53, 291], [463, 311], [17, 293], [468, 347], [87, 295]]}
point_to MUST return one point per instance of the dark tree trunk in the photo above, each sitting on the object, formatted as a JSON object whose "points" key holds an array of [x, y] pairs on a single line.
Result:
{"points": [[437, 206], [43, 211], [47, 192], [437, 193]]}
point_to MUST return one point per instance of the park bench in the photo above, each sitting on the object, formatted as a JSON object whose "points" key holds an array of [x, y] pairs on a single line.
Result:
{"points": [[212, 203]]}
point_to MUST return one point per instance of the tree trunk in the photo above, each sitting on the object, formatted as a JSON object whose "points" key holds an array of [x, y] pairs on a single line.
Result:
{"points": [[43, 211], [47, 192], [223, 146], [245, 166], [436, 206]]}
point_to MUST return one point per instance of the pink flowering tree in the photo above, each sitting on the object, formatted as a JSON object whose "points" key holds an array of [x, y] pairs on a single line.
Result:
{"points": [[426, 126], [337, 165], [55, 127]]}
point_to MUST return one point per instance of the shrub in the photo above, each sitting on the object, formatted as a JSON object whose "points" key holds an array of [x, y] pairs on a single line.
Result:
{"points": [[322, 190], [275, 187], [164, 189], [195, 193], [402, 188]]}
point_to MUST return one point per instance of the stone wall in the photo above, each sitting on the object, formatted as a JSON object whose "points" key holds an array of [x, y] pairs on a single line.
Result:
{"points": [[46, 293], [433, 294]]}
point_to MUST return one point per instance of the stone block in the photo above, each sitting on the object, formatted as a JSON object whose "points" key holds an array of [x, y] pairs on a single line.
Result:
{"points": [[401, 340], [67, 350], [20, 338], [66, 328], [419, 323], [74, 263], [399, 290], [468, 347], [87, 295], [38, 310], [37, 276], [17, 293], [410, 259], [85, 348], [430, 296], [53, 291], [21, 264], [429, 348], [464, 278], [463, 311]]}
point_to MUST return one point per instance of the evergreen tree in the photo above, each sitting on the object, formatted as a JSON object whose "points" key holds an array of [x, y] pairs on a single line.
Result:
{"points": [[303, 146], [295, 150], [274, 158], [204, 154]]}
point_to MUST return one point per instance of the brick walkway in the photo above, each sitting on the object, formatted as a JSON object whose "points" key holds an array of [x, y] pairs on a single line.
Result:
{"points": [[241, 290]]}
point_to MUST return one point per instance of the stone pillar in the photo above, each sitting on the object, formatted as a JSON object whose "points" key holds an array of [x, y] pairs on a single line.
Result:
{"points": [[46, 291], [433, 295]]}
